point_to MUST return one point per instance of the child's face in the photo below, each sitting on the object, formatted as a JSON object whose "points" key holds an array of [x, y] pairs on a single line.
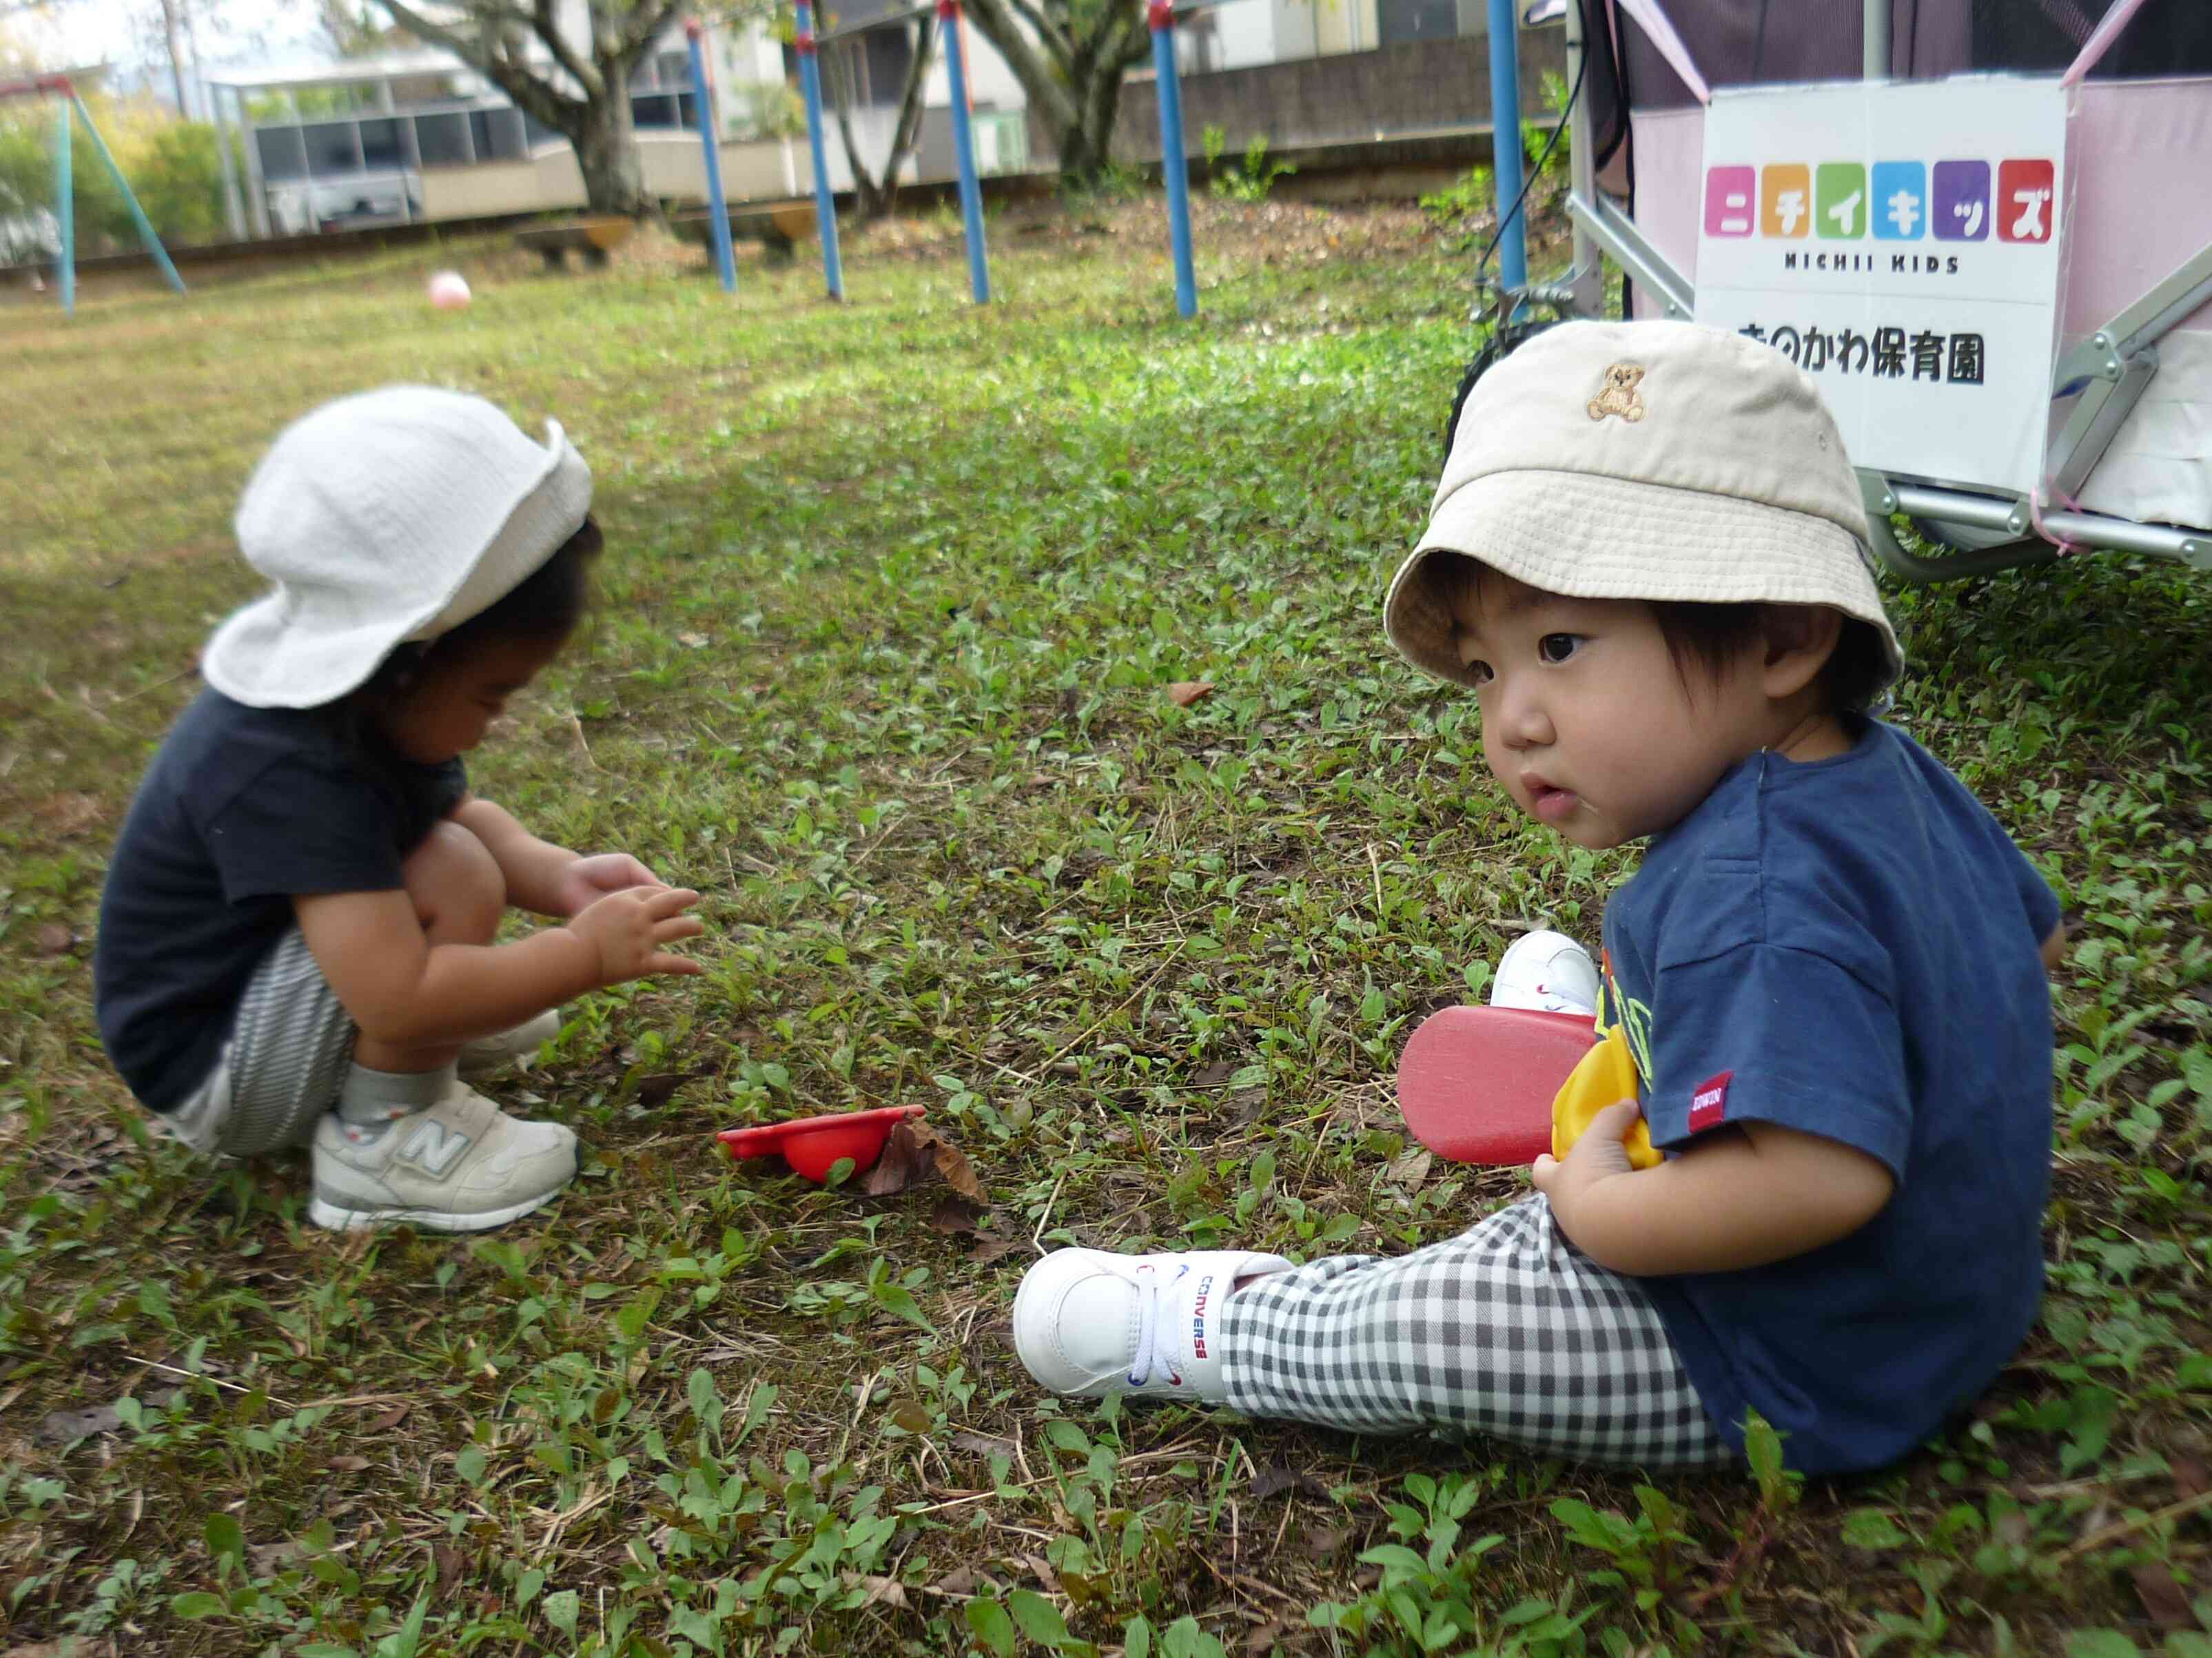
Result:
{"points": [[1585, 719], [445, 710]]}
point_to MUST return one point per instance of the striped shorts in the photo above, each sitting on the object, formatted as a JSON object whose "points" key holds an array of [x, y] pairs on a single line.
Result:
{"points": [[290, 1044], [1507, 1329]]}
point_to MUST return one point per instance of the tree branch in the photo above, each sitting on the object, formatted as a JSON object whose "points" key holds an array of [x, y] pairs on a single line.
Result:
{"points": [[530, 93], [1055, 40], [547, 28]]}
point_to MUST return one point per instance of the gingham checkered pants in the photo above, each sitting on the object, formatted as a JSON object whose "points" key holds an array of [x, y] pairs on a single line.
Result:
{"points": [[1506, 1329]]}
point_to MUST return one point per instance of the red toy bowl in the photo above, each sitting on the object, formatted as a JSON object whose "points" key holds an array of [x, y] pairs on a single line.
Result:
{"points": [[813, 1145]]}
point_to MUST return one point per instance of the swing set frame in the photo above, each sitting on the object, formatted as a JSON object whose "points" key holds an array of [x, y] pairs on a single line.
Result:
{"points": [[41, 86]]}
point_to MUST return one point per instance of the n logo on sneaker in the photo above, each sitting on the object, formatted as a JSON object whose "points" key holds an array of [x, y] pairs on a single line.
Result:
{"points": [[435, 1147]]}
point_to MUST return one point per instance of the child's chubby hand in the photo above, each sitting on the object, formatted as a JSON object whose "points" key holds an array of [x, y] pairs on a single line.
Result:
{"points": [[628, 929], [1598, 1154], [585, 881]]}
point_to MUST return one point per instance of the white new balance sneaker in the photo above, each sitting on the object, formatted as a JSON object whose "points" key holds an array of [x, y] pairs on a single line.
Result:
{"points": [[488, 1056], [1548, 972], [1092, 1323], [462, 1166]]}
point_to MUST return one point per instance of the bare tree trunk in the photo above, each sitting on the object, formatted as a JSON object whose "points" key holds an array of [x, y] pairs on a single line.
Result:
{"points": [[606, 155], [878, 193], [1073, 76], [176, 58]]}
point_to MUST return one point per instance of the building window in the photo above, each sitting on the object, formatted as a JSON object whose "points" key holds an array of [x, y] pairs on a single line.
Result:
{"points": [[1401, 21]]}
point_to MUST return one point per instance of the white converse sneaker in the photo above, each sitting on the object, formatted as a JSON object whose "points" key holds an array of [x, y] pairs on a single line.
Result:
{"points": [[488, 1056], [1092, 1323], [1548, 972], [462, 1166]]}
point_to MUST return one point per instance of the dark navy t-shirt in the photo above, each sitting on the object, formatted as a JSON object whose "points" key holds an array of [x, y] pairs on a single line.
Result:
{"points": [[1849, 947], [241, 809]]}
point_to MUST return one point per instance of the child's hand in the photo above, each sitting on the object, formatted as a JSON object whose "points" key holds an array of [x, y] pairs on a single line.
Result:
{"points": [[627, 929], [587, 880], [1598, 1154]]}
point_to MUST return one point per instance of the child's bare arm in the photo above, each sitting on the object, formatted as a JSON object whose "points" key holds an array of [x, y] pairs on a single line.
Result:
{"points": [[2054, 948], [542, 878], [404, 990], [1739, 1199]]}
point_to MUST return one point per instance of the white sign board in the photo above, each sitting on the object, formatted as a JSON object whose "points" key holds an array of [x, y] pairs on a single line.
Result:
{"points": [[1899, 242]]}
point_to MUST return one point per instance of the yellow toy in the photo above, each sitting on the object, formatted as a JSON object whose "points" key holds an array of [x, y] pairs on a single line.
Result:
{"points": [[1604, 1076]]}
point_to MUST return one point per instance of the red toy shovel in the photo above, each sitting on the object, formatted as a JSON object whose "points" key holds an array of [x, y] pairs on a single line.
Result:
{"points": [[812, 1145], [1476, 1083]]}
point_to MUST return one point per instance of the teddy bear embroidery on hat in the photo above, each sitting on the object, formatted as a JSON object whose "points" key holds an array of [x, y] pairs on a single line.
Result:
{"points": [[1618, 395]]}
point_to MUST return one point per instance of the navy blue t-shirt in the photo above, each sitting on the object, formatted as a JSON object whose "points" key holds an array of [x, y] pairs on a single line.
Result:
{"points": [[1849, 947], [241, 809]]}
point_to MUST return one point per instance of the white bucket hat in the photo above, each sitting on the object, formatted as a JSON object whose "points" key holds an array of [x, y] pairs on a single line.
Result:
{"points": [[383, 518], [1652, 460]]}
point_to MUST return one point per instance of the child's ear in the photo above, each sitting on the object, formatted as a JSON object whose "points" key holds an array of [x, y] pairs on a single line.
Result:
{"points": [[1800, 640]]}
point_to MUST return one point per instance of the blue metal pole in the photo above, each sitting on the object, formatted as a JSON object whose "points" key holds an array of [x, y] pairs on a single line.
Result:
{"points": [[964, 147], [710, 139], [1505, 146], [825, 204], [1175, 163], [159, 253], [65, 215]]}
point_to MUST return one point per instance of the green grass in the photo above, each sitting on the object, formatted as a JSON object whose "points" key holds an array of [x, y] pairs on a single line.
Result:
{"points": [[893, 595]]}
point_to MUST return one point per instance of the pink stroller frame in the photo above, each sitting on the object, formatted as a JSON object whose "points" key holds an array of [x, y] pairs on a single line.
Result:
{"points": [[2128, 466]]}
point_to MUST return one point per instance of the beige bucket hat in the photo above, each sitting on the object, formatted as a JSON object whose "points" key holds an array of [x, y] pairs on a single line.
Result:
{"points": [[1651, 460], [389, 517]]}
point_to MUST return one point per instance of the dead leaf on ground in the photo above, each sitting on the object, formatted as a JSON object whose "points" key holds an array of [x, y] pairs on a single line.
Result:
{"points": [[451, 1563], [349, 1464], [55, 940], [989, 1247], [914, 1152], [1215, 1075], [2164, 1599], [393, 1418], [65, 1427], [957, 1218], [693, 642], [655, 1090], [983, 1445], [962, 1582], [1267, 1636], [2190, 1476], [1412, 1167], [1322, 1541], [883, 1592], [1278, 1478], [1184, 692]]}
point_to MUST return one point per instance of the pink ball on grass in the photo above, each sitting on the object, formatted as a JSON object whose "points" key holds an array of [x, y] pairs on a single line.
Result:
{"points": [[449, 291]]}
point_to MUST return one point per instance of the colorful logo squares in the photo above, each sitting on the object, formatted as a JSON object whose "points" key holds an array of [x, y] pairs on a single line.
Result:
{"points": [[1962, 202], [2025, 201], [1892, 201], [1839, 191], [1901, 201], [1728, 191], [1785, 199]]}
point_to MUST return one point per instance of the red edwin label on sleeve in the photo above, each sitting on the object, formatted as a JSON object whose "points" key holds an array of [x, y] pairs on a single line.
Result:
{"points": [[1709, 1103]]}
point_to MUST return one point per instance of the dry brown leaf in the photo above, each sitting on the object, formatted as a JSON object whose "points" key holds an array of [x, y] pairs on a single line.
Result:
{"points": [[914, 1152], [393, 1418], [2190, 1476], [1278, 1478], [1412, 1167], [1215, 1075], [55, 940], [983, 1445], [61, 1427], [962, 1582], [2164, 1599], [955, 1217], [883, 1592], [451, 1563], [989, 1247], [1322, 1541], [349, 1464], [1184, 692]]}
